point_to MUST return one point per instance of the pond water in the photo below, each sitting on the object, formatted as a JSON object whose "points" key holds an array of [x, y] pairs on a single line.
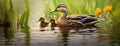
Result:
{"points": [[53, 37]]}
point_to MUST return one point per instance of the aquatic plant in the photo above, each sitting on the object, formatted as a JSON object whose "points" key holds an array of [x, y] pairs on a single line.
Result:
{"points": [[24, 18], [7, 14]]}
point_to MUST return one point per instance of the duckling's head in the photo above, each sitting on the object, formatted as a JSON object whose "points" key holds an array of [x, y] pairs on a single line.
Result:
{"points": [[52, 20], [60, 8], [42, 19]]}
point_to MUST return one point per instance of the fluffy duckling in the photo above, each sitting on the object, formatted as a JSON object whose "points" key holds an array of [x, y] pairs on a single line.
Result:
{"points": [[42, 23], [52, 23]]}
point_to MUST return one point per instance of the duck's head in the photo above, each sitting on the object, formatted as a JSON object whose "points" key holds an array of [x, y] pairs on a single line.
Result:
{"points": [[42, 19], [60, 8], [52, 20]]}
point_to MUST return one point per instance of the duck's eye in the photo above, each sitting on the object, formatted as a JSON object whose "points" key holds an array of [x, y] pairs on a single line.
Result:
{"points": [[58, 6], [61, 7]]}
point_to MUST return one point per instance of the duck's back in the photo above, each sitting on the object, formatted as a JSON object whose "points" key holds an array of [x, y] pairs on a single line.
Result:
{"points": [[69, 22], [83, 18]]}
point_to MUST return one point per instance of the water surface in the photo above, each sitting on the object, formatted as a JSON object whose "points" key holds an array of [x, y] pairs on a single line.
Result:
{"points": [[55, 37]]}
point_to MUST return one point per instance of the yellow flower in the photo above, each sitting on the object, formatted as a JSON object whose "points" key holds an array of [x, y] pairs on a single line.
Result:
{"points": [[107, 8], [98, 11]]}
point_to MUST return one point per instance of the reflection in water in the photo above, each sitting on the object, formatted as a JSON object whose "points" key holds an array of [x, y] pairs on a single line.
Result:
{"points": [[25, 29], [42, 29], [65, 33], [52, 28], [8, 34], [85, 41], [103, 39], [65, 44], [28, 37]]}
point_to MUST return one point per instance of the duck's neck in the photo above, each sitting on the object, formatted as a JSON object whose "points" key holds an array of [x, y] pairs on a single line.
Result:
{"points": [[64, 14], [63, 17]]}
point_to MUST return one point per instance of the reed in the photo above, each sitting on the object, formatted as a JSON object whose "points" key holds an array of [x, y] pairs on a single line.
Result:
{"points": [[7, 17], [24, 18], [7, 14]]}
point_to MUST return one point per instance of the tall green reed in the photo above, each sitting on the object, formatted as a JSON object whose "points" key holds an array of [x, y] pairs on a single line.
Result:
{"points": [[24, 18], [8, 18], [7, 12], [10, 14]]}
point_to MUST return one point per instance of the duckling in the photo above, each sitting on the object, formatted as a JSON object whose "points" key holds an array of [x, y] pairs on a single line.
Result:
{"points": [[77, 20], [52, 23], [42, 23]]}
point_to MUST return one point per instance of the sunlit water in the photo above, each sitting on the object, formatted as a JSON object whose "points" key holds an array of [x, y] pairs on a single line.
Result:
{"points": [[48, 37]]}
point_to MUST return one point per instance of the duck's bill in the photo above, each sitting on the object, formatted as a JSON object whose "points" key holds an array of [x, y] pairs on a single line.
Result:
{"points": [[53, 10]]}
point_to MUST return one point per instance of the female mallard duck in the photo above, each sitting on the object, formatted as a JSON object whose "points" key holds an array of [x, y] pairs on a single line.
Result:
{"points": [[75, 20], [52, 23], [42, 23]]}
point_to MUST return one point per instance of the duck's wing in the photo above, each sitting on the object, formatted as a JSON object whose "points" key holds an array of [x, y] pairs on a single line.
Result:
{"points": [[89, 19], [77, 16], [83, 18], [75, 23], [80, 16]]}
